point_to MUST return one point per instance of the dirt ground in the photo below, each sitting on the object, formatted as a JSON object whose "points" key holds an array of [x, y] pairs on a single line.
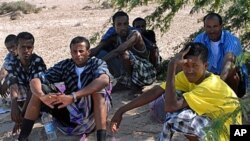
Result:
{"points": [[59, 22]]}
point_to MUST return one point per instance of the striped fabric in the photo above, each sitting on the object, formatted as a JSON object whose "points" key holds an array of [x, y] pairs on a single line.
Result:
{"points": [[186, 122], [228, 44], [21, 76], [81, 112]]}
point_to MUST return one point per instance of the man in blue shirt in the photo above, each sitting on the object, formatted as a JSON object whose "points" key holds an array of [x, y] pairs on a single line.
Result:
{"points": [[223, 49], [126, 55]]}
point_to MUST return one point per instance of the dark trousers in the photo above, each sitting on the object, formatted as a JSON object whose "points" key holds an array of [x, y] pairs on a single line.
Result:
{"points": [[62, 115]]}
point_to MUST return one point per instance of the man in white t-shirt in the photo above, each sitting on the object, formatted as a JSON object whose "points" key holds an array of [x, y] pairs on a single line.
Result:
{"points": [[79, 108], [223, 49]]}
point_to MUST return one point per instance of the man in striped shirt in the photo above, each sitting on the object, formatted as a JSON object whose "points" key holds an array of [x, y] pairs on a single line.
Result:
{"points": [[21, 69], [223, 49], [80, 107]]}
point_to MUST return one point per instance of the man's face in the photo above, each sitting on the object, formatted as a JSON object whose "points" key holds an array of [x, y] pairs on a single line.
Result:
{"points": [[11, 47], [25, 49], [79, 53], [121, 25], [140, 25], [213, 28], [194, 69]]}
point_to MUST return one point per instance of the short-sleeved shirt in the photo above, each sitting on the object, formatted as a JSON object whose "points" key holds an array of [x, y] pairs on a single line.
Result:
{"points": [[111, 32], [22, 75], [143, 72], [227, 44], [212, 97], [81, 112], [8, 58]]}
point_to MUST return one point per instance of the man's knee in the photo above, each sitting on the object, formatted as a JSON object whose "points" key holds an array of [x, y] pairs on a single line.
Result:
{"points": [[35, 100], [98, 97], [125, 56]]}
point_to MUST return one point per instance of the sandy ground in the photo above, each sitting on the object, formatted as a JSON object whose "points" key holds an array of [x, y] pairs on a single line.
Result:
{"points": [[60, 21]]}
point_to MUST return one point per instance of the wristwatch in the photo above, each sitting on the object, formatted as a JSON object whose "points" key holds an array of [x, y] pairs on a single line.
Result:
{"points": [[74, 96]]}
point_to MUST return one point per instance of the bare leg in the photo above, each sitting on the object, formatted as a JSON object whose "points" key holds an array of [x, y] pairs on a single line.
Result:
{"points": [[100, 115], [31, 114], [33, 108], [100, 111]]}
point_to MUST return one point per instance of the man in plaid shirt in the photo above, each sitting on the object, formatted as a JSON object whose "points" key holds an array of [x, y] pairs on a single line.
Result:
{"points": [[205, 98], [21, 69], [80, 107]]}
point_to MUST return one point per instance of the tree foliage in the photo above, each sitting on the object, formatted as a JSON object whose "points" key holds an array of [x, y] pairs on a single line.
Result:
{"points": [[236, 13]]}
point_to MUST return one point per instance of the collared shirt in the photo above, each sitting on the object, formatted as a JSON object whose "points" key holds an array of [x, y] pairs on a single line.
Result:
{"points": [[227, 44], [23, 76], [81, 112]]}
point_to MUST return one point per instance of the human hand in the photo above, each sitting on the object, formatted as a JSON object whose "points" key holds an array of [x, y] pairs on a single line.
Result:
{"points": [[49, 99], [115, 121], [16, 128], [16, 114], [178, 59], [3, 93], [63, 100], [4, 88]]}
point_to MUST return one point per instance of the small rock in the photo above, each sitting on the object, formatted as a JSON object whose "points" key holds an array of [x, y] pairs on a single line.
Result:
{"points": [[16, 15], [77, 24], [106, 5], [86, 8]]}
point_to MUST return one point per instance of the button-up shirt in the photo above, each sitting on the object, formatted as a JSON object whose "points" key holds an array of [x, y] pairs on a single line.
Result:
{"points": [[227, 44]]}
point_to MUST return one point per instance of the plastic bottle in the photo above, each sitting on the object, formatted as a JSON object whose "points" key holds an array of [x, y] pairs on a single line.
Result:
{"points": [[84, 138], [49, 127], [113, 138]]}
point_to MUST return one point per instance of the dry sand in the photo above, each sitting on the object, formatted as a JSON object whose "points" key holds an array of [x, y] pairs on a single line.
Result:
{"points": [[60, 21]]}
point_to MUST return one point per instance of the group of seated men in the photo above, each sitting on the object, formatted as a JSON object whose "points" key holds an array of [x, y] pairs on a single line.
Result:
{"points": [[125, 55]]}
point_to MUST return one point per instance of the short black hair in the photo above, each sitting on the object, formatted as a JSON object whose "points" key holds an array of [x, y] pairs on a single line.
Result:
{"points": [[80, 39], [212, 15], [138, 19], [197, 49], [25, 36], [10, 38], [119, 14]]}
